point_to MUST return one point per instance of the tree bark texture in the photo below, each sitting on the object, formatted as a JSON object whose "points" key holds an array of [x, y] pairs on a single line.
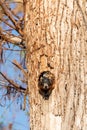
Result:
{"points": [[56, 40]]}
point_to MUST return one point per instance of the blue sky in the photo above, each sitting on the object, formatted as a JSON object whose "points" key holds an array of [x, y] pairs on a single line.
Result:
{"points": [[16, 116], [9, 113]]}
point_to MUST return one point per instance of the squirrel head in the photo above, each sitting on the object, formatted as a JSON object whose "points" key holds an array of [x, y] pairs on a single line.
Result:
{"points": [[45, 83]]}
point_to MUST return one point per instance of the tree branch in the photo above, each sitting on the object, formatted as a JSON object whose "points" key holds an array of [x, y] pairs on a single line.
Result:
{"points": [[10, 16], [15, 85], [21, 68], [4, 20], [9, 49], [12, 39]]}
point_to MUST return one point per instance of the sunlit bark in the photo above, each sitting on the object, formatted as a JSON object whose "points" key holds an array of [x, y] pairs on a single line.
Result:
{"points": [[56, 40]]}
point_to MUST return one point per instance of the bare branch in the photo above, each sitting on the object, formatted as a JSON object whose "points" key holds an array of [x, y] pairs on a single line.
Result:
{"points": [[9, 49], [21, 68], [12, 39], [10, 15], [4, 20], [1, 53], [15, 85]]}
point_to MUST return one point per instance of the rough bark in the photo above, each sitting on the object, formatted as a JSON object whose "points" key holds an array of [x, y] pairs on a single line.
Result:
{"points": [[56, 40]]}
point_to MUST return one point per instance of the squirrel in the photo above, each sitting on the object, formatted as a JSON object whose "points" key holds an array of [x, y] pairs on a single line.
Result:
{"points": [[46, 84]]}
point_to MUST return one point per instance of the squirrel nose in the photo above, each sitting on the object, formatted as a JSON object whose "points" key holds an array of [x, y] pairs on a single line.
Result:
{"points": [[46, 86]]}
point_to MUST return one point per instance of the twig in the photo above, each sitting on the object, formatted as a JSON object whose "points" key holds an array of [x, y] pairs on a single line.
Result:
{"points": [[10, 16], [4, 20], [15, 85], [9, 49], [21, 68], [12, 39]]}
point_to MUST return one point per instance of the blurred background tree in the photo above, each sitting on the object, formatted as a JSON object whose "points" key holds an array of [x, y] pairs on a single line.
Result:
{"points": [[12, 65]]}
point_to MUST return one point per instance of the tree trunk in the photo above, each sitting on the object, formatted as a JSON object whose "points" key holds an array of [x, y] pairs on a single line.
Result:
{"points": [[56, 41]]}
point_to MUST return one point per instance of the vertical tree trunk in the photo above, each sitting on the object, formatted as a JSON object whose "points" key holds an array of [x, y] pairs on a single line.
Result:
{"points": [[56, 40]]}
